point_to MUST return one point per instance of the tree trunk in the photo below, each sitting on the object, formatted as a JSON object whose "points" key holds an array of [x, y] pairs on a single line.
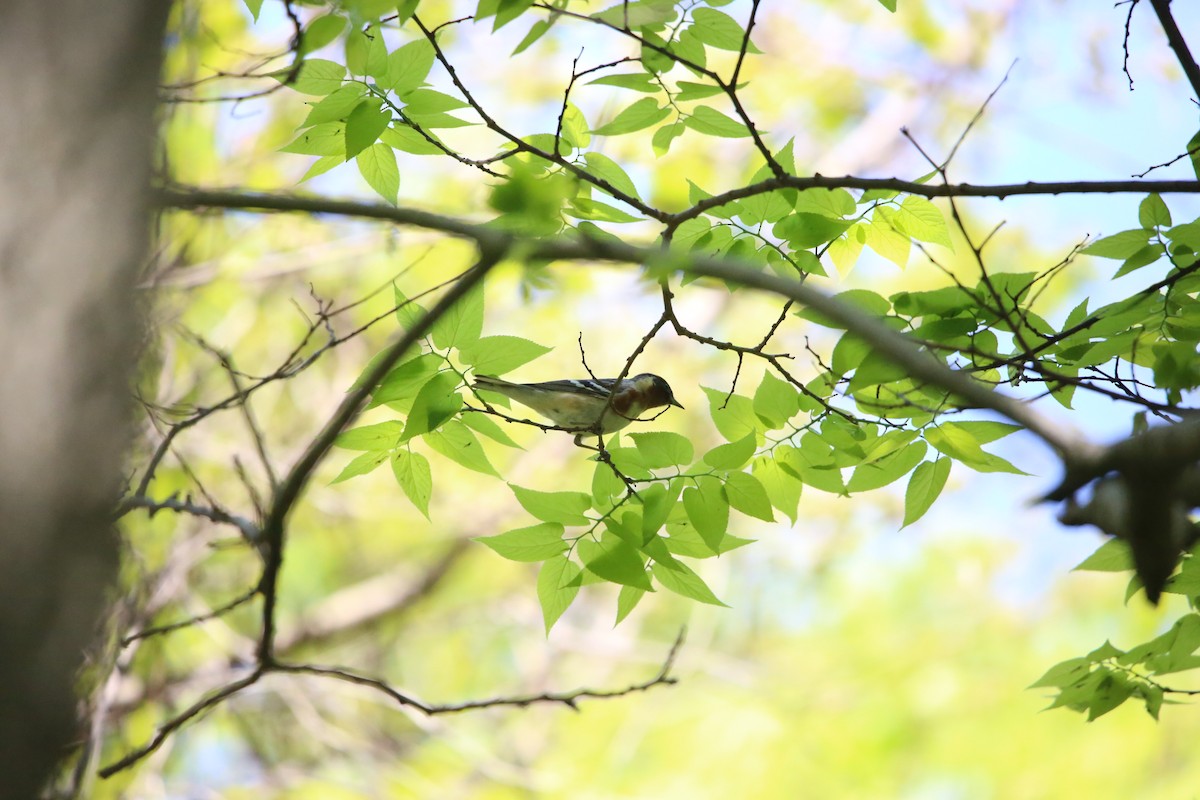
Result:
{"points": [[76, 129]]}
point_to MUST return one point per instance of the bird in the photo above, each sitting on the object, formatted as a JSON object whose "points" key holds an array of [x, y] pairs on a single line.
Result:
{"points": [[578, 405]]}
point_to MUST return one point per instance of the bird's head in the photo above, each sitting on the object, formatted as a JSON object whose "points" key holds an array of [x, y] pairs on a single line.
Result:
{"points": [[656, 391]]}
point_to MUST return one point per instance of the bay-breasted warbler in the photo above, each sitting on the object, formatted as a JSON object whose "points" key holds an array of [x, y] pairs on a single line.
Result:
{"points": [[576, 405]]}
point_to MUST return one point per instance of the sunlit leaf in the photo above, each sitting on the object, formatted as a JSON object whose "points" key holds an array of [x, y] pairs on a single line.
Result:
{"points": [[663, 448], [535, 543], [457, 442], [747, 495], [557, 586], [641, 114], [566, 508], [926, 483], [496, 355], [415, 477]]}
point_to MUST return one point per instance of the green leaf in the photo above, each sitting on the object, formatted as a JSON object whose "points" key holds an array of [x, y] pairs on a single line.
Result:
{"points": [[605, 485], [604, 167], [683, 540], [1112, 556], [337, 106], [363, 127], [804, 229], [458, 443], [505, 12], [254, 7], [380, 436], [586, 208], [747, 495], [775, 401], [317, 76], [482, 423], [949, 301], [404, 10], [689, 50], [1119, 245], [574, 127], [919, 218], [566, 508], [321, 166], [462, 324], [884, 239], [627, 599], [1153, 212], [662, 138], [638, 14], [1153, 696], [616, 561], [627, 526], [408, 312], [984, 431], [959, 443], [557, 585], [641, 114], [436, 402], [831, 203], [663, 449], [680, 579], [733, 455], [535, 543], [415, 478], [378, 167], [719, 30], [1142, 258], [782, 487], [711, 122], [366, 53], [844, 251], [326, 139], [536, 31], [732, 414], [876, 368], [814, 463], [658, 502], [405, 380], [401, 137], [408, 66], [689, 91], [926, 483], [320, 32], [1112, 690], [1193, 150], [428, 101], [708, 511], [1187, 635], [496, 355], [891, 467], [361, 464], [636, 81], [1064, 673], [890, 5]]}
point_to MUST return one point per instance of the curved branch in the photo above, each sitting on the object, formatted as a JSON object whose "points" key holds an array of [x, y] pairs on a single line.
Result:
{"points": [[1175, 38], [1069, 444], [490, 253]]}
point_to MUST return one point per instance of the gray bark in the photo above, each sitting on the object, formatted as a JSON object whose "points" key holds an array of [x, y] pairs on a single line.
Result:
{"points": [[76, 129]]}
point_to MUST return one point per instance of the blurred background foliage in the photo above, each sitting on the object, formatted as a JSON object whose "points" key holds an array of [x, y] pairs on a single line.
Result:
{"points": [[856, 660]]}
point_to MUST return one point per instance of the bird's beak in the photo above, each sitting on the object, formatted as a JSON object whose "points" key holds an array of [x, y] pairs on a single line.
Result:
{"points": [[675, 403]]}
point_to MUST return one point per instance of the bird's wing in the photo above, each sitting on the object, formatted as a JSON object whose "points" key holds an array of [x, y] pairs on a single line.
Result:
{"points": [[596, 387]]}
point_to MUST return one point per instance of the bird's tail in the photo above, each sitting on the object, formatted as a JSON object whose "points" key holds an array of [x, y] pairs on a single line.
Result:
{"points": [[493, 384]]}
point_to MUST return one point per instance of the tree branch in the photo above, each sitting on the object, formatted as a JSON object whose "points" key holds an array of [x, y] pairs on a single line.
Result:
{"points": [[1175, 38], [491, 250], [921, 365]]}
